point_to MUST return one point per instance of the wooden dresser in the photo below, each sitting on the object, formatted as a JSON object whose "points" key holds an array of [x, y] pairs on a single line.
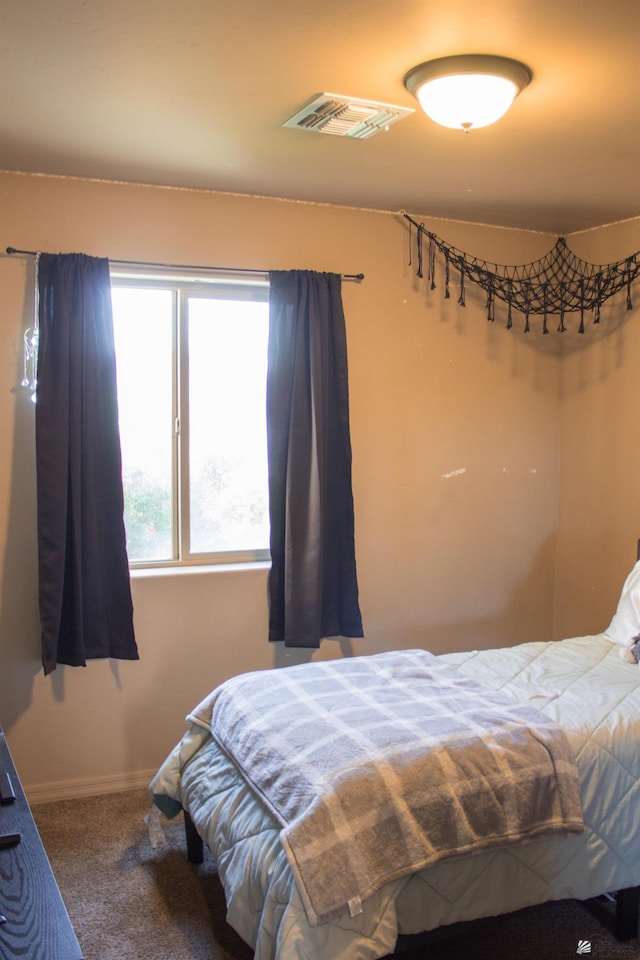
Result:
{"points": [[36, 924]]}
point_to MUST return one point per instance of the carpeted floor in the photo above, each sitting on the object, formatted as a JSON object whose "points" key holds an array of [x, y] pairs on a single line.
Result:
{"points": [[128, 901]]}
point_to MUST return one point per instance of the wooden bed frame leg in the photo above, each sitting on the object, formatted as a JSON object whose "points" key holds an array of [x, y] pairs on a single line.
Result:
{"points": [[626, 922], [195, 846]]}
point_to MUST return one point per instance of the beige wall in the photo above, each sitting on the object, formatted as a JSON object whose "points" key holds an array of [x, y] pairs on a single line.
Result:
{"points": [[599, 502], [456, 433]]}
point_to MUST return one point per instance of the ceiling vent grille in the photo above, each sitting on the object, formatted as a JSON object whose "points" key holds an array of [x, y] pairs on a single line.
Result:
{"points": [[346, 116]]}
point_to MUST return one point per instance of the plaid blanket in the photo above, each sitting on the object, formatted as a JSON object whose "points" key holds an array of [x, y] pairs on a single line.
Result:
{"points": [[378, 766]]}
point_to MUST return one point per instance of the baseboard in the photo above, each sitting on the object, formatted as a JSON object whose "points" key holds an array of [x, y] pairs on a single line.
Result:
{"points": [[89, 787]]}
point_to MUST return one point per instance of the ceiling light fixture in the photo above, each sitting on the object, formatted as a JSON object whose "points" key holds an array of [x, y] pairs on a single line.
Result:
{"points": [[467, 91]]}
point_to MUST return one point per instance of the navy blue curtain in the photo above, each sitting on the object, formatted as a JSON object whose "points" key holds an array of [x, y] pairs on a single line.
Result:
{"points": [[313, 589], [84, 589]]}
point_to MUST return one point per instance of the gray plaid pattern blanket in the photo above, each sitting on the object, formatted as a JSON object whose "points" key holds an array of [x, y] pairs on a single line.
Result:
{"points": [[378, 766]]}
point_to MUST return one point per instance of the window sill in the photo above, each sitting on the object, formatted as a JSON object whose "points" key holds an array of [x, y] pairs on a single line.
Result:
{"points": [[190, 570]]}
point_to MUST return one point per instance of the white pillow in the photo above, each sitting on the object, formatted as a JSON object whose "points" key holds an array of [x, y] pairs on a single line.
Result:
{"points": [[625, 626]]}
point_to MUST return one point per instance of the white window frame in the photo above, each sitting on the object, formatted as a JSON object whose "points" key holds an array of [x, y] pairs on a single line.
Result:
{"points": [[189, 283]]}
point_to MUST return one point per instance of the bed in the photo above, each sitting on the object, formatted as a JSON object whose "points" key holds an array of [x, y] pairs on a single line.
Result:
{"points": [[586, 689]]}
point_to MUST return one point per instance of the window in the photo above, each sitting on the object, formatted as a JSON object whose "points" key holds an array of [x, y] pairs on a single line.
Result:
{"points": [[191, 360]]}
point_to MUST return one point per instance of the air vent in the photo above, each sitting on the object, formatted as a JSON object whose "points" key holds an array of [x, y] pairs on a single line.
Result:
{"points": [[346, 116]]}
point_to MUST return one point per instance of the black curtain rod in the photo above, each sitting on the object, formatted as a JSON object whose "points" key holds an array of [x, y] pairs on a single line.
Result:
{"points": [[177, 266]]}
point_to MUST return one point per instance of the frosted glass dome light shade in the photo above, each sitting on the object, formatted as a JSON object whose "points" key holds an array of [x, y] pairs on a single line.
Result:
{"points": [[467, 92], [468, 101]]}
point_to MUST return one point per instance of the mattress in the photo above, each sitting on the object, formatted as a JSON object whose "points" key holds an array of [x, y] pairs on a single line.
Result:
{"points": [[582, 684]]}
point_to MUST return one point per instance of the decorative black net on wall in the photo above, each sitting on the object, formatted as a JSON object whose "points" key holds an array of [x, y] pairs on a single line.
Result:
{"points": [[558, 283]]}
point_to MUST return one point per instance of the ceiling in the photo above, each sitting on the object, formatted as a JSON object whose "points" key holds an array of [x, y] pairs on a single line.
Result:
{"points": [[194, 93]]}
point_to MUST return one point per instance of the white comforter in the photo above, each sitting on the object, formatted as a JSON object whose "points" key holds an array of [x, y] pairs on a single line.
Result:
{"points": [[582, 684]]}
